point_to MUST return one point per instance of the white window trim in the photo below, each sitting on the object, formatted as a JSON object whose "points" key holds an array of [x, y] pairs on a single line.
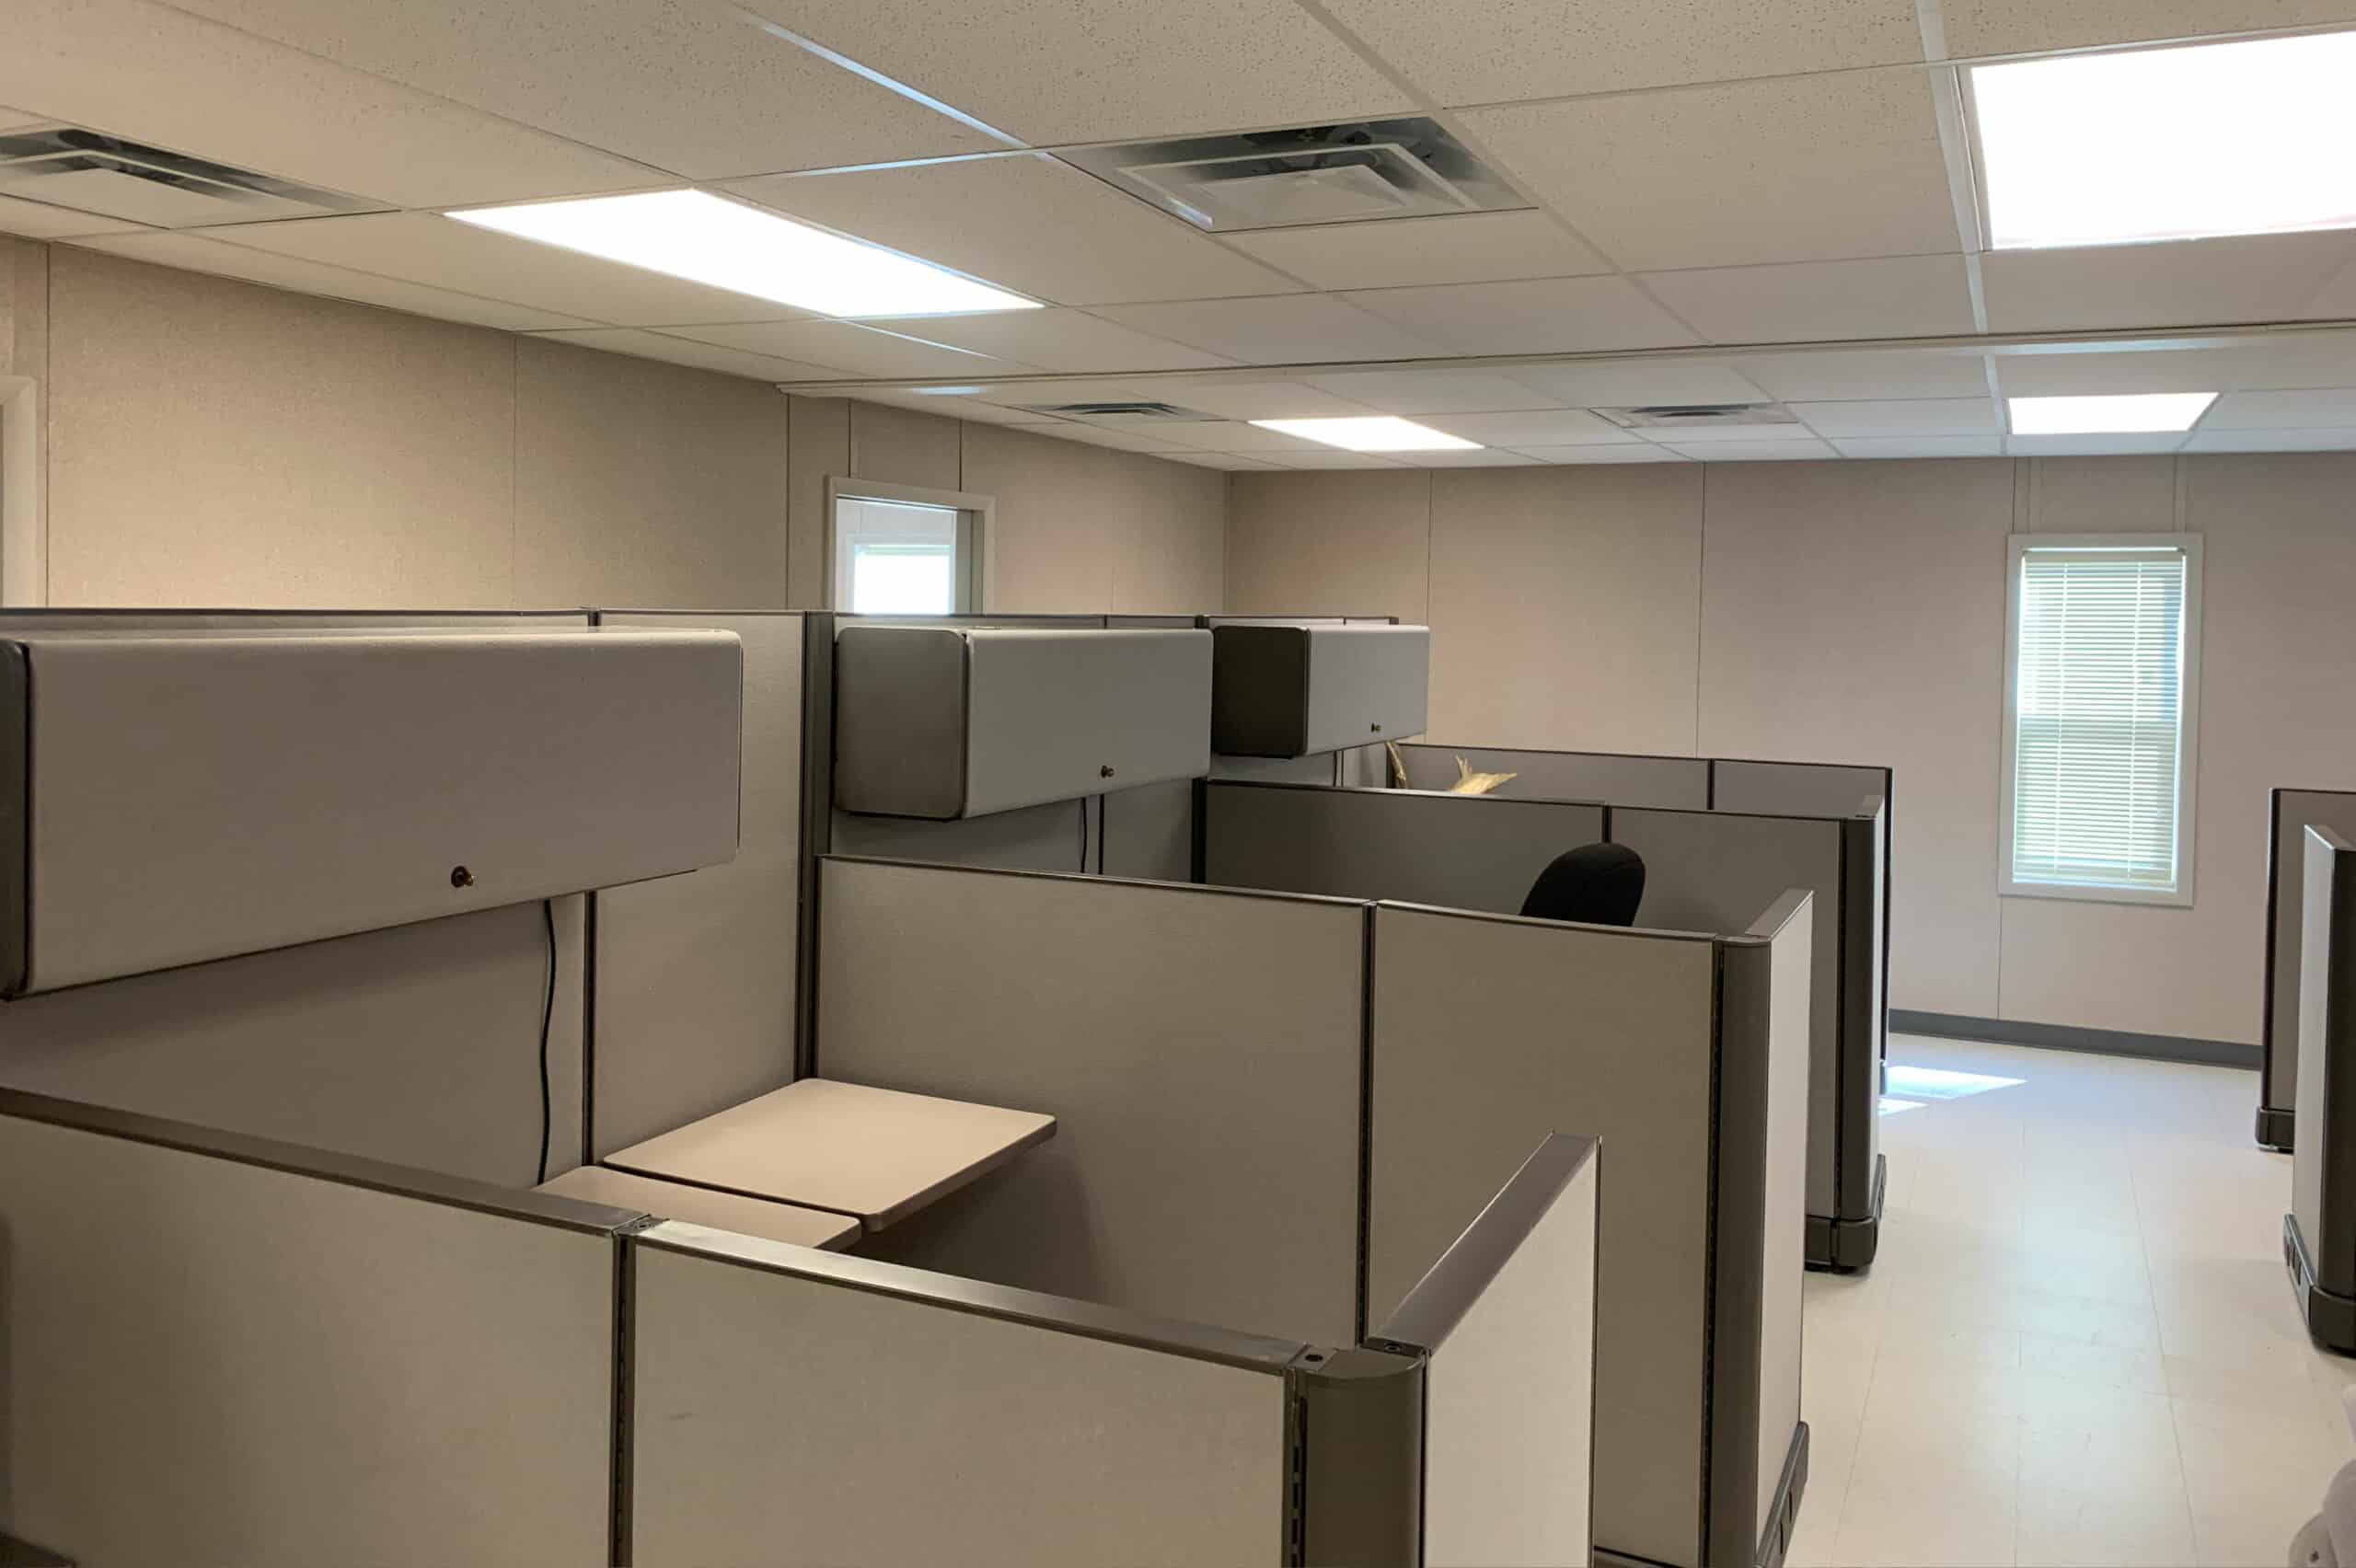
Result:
{"points": [[977, 584], [2189, 713]]}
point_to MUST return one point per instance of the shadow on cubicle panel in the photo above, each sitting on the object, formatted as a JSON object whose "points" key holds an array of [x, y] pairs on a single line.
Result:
{"points": [[2289, 813]]}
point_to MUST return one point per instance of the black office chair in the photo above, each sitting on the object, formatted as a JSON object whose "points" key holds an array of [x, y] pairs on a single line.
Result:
{"points": [[1597, 885]]}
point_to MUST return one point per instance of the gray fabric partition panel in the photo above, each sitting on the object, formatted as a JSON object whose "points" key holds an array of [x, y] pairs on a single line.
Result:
{"points": [[1450, 850], [1794, 789], [1489, 1035], [1200, 1051], [1148, 833], [2319, 1233], [418, 1044], [1324, 768], [2291, 813], [695, 1006], [795, 1407], [1038, 838], [1713, 871], [215, 1361], [1681, 781]]}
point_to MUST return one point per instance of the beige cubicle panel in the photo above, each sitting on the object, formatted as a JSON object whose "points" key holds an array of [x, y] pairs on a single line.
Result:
{"points": [[2290, 812], [1490, 1033], [1793, 788], [1460, 852], [220, 1350], [1199, 1050], [1568, 776], [2319, 1233], [791, 1406]]}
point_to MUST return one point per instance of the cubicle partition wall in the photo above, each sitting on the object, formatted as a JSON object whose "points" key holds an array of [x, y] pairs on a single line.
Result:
{"points": [[2290, 812], [1707, 870], [2319, 1233], [1691, 1052]]}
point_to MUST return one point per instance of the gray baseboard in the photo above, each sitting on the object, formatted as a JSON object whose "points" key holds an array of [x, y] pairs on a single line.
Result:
{"points": [[2068, 1037]]}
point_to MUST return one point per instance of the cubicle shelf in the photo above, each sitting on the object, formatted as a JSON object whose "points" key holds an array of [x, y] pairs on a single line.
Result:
{"points": [[945, 722], [1302, 690]]}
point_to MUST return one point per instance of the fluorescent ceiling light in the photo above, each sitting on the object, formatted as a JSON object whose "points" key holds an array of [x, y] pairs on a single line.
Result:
{"points": [[707, 239], [2169, 144], [1373, 433], [2108, 416]]}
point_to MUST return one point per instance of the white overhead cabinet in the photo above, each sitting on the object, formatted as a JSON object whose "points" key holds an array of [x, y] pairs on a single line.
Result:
{"points": [[960, 721]]}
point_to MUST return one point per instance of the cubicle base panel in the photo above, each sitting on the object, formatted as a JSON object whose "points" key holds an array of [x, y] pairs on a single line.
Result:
{"points": [[1844, 1246], [2273, 1129], [1782, 1517], [2330, 1320]]}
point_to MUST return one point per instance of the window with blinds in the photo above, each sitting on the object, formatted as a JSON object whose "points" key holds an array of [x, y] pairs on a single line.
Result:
{"points": [[2097, 766]]}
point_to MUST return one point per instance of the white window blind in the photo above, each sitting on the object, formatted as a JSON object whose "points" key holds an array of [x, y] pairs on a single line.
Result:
{"points": [[2101, 690]]}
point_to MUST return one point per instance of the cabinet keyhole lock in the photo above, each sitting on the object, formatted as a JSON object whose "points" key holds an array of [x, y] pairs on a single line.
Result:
{"points": [[461, 876], [1376, 728], [1106, 771]]}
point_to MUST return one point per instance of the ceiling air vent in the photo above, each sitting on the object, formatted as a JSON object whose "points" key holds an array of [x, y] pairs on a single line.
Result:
{"points": [[1122, 413], [92, 172], [1310, 174], [1685, 416]]}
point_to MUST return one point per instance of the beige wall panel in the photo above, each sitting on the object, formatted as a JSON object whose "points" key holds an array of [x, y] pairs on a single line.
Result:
{"points": [[819, 441], [2100, 495], [645, 484], [1176, 553], [1058, 527], [1565, 606], [216, 1363], [1343, 543], [212, 443], [792, 1420], [1855, 612], [904, 448]]}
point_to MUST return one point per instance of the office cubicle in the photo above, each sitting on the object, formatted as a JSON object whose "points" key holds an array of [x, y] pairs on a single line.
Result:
{"points": [[2319, 1233], [2290, 812]]}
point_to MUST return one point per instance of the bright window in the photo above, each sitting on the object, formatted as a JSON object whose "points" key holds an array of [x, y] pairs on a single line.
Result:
{"points": [[2100, 705], [897, 558]]}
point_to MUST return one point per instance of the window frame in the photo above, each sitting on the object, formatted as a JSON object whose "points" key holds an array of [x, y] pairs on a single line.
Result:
{"points": [[976, 576], [2017, 546]]}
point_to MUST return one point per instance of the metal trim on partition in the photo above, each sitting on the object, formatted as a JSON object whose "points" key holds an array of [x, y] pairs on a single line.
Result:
{"points": [[2331, 1318], [2275, 1124], [817, 826], [326, 1165], [620, 1531], [1359, 1459], [1210, 888], [1199, 1341], [17, 849]]}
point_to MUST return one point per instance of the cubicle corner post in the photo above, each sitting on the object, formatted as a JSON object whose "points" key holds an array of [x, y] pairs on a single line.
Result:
{"points": [[817, 825], [1358, 1458], [16, 845], [1847, 1239]]}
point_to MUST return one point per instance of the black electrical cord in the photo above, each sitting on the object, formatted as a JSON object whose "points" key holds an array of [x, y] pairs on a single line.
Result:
{"points": [[547, 1016]]}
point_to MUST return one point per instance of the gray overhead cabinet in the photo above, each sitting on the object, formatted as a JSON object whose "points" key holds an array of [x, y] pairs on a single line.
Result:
{"points": [[1301, 690], [962, 722]]}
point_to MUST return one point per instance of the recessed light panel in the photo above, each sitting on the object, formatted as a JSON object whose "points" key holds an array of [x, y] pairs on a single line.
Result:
{"points": [[2169, 144], [727, 244], [2108, 416], [1378, 434]]}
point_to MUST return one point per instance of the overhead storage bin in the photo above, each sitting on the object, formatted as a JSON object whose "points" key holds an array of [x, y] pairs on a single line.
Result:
{"points": [[1299, 690]]}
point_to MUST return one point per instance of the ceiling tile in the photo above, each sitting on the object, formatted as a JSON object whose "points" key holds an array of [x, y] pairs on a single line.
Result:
{"points": [[1025, 223], [199, 254], [689, 87], [1481, 457], [2276, 360], [1056, 340], [1922, 446], [1633, 383], [1298, 328], [1925, 416], [1558, 427], [1889, 296], [2071, 446], [1799, 168], [1629, 452], [424, 247], [972, 408], [702, 356], [1097, 435], [1466, 247], [1541, 316], [2272, 440], [1103, 70], [1432, 391], [1330, 459], [1234, 435], [158, 74], [1230, 460], [2251, 277], [2009, 26], [1872, 373], [1753, 451], [2283, 411], [1529, 49], [1250, 399], [1740, 435], [862, 351], [39, 220]]}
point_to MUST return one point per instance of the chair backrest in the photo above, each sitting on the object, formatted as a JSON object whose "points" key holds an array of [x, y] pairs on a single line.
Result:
{"points": [[1597, 885]]}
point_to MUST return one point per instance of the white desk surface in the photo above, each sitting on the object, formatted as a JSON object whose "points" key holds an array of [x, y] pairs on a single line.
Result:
{"points": [[700, 1205], [876, 1154]]}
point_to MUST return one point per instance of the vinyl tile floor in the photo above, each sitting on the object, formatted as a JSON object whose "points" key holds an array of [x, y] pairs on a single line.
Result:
{"points": [[2077, 1344]]}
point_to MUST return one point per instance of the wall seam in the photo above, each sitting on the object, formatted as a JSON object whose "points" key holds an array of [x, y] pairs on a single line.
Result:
{"points": [[2025, 499], [1701, 604], [1431, 526], [515, 470]]}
